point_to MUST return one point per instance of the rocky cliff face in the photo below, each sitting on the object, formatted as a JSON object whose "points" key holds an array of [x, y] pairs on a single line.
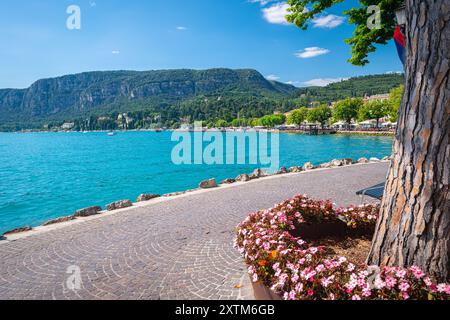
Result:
{"points": [[81, 93]]}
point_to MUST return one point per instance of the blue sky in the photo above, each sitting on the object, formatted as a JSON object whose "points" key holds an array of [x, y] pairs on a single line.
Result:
{"points": [[159, 34]]}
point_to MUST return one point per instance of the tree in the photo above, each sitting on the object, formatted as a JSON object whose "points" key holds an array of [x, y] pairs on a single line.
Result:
{"points": [[347, 110], [221, 123], [414, 226], [298, 116], [236, 123], [273, 120], [320, 114], [374, 110], [395, 100]]}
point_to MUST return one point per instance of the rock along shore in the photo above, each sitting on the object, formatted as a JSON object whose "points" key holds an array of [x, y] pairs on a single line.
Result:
{"points": [[207, 184]]}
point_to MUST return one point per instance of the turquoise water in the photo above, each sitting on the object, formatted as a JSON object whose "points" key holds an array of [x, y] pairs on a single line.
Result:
{"points": [[49, 175]]}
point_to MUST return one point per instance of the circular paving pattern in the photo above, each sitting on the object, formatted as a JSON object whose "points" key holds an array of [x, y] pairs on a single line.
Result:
{"points": [[177, 249]]}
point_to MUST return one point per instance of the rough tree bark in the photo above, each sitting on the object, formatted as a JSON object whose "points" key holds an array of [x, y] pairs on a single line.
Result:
{"points": [[414, 227]]}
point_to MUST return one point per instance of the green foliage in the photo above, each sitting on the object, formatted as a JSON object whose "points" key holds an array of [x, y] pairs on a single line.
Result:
{"points": [[166, 111], [364, 39], [320, 114], [352, 88], [347, 110], [298, 116], [221, 124], [375, 110], [273, 120], [395, 100]]}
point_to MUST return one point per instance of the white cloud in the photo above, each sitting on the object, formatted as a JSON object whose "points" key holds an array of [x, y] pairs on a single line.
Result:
{"points": [[322, 82], [261, 2], [92, 3], [329, 21], [276, 13], [311, 52], [293, 83], [272, 77], [115, 52], [394, 72], [181, 28]]}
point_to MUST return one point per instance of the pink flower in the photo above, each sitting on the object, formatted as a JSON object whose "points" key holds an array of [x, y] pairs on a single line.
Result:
{"points": [[390, 282], [255, 278], [443, 288], [320, 268], [404, 286], [379, 283], [310, 293], [428, 281], [367, 292], [418, 273], [401, 273], [342, 260], [292, 295], [327, 281], [356, 297], [351, 267], [299, 287]]}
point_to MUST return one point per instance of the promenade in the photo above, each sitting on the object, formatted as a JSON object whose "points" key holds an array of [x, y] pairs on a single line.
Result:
{"points": [[170, 248]]}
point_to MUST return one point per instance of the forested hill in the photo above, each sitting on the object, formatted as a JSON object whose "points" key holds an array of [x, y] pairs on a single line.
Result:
{"points": [[172, 96], [353, 87], [82, 94]]}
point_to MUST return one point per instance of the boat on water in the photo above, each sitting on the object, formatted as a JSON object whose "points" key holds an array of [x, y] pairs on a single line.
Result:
{"points": [[111, 134]]}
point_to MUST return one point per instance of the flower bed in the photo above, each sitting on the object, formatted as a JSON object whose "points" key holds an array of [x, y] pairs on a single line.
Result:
{"points": [[282, 261]]}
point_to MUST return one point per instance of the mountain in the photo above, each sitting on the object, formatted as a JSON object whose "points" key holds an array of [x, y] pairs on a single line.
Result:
{"points": [[171, 96], [96, 92]]}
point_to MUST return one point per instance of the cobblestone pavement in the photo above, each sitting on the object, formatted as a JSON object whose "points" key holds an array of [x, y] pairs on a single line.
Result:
{"points": [[177, 249]]}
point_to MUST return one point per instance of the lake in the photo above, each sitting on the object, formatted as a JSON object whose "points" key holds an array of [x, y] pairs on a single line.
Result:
{"points": [[49, 175]]}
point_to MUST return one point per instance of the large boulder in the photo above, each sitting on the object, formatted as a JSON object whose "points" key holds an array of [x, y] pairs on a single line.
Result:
{"points": [[258, 173], [59, 220], [337, 163], [228, 181], [387, 158], [122, 204], [363, 160], [243, 178], [295, 169], [283, 170], [147, 197], [18, 230], [208, 184], [308, 166], [326, 165], [87, 212], [373, 159], [347, 162]]}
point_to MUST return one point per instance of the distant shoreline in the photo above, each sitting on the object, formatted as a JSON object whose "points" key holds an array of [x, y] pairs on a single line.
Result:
{"points": [[367, 133]]}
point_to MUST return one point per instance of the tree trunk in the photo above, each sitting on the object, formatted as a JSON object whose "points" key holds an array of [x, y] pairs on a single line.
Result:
{"points": [[414, 227]]}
